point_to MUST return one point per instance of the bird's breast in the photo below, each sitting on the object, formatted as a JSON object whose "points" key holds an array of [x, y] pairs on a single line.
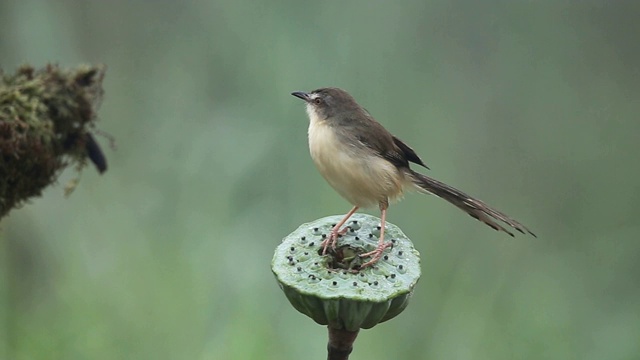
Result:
{"points": [[355, 172]]}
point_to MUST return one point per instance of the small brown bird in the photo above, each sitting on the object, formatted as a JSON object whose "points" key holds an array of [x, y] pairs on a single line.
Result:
{"points": [[368, 166]]}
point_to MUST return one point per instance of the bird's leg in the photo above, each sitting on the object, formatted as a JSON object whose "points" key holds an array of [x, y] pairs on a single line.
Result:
{"points": [[382, 246], [332, 239]]}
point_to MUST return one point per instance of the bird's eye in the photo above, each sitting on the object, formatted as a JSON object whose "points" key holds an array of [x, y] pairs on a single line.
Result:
{"points": [[317, 101]]}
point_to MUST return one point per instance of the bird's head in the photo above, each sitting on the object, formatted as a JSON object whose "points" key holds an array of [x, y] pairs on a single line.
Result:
{"points": [[326, 103]]}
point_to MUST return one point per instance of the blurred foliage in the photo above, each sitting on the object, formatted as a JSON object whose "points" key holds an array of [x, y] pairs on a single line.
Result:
{"points": [[531, 106]]}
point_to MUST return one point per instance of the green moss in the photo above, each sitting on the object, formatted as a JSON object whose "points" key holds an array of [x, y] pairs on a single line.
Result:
{"points": [[45, 117]]}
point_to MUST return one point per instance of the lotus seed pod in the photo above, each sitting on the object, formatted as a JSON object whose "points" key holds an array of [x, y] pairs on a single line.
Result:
{"points": [[330, 289]]}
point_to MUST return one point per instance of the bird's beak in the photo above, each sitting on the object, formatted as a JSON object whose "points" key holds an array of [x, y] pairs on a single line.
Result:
{"points": [[302, 95]]}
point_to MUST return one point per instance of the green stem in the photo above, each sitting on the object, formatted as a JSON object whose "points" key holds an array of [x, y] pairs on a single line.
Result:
{"points": [[340, 343]]}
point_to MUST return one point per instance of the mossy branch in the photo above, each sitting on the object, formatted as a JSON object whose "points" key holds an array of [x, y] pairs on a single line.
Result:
{"points": [[45, 121]]}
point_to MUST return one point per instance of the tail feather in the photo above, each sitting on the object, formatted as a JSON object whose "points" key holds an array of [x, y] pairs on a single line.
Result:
{"points": [[474, 207]]}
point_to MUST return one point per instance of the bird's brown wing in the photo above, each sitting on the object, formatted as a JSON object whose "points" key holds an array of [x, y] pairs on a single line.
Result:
{"points": [[377, 138], [408, 152], [386, 145]]}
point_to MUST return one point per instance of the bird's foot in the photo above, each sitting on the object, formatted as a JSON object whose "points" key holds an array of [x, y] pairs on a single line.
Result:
{"points": [[375, 254], [332, 239]]}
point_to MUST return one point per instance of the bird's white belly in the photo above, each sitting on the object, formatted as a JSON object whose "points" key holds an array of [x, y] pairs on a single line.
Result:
{"points": [[361, 177]]}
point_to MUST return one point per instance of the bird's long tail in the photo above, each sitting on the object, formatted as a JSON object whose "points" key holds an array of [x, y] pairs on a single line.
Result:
{"points": [[474, 207]]}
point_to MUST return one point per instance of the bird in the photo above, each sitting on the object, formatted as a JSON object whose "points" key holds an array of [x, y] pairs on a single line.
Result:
{"points": [[368, 166]]}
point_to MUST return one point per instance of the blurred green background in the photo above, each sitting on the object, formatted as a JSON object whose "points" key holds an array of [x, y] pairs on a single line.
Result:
{"points": [[532, 107]]}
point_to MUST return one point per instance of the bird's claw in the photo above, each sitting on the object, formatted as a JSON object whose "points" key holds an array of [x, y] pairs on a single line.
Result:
{"points": [[332, 239], [375, 254]]}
